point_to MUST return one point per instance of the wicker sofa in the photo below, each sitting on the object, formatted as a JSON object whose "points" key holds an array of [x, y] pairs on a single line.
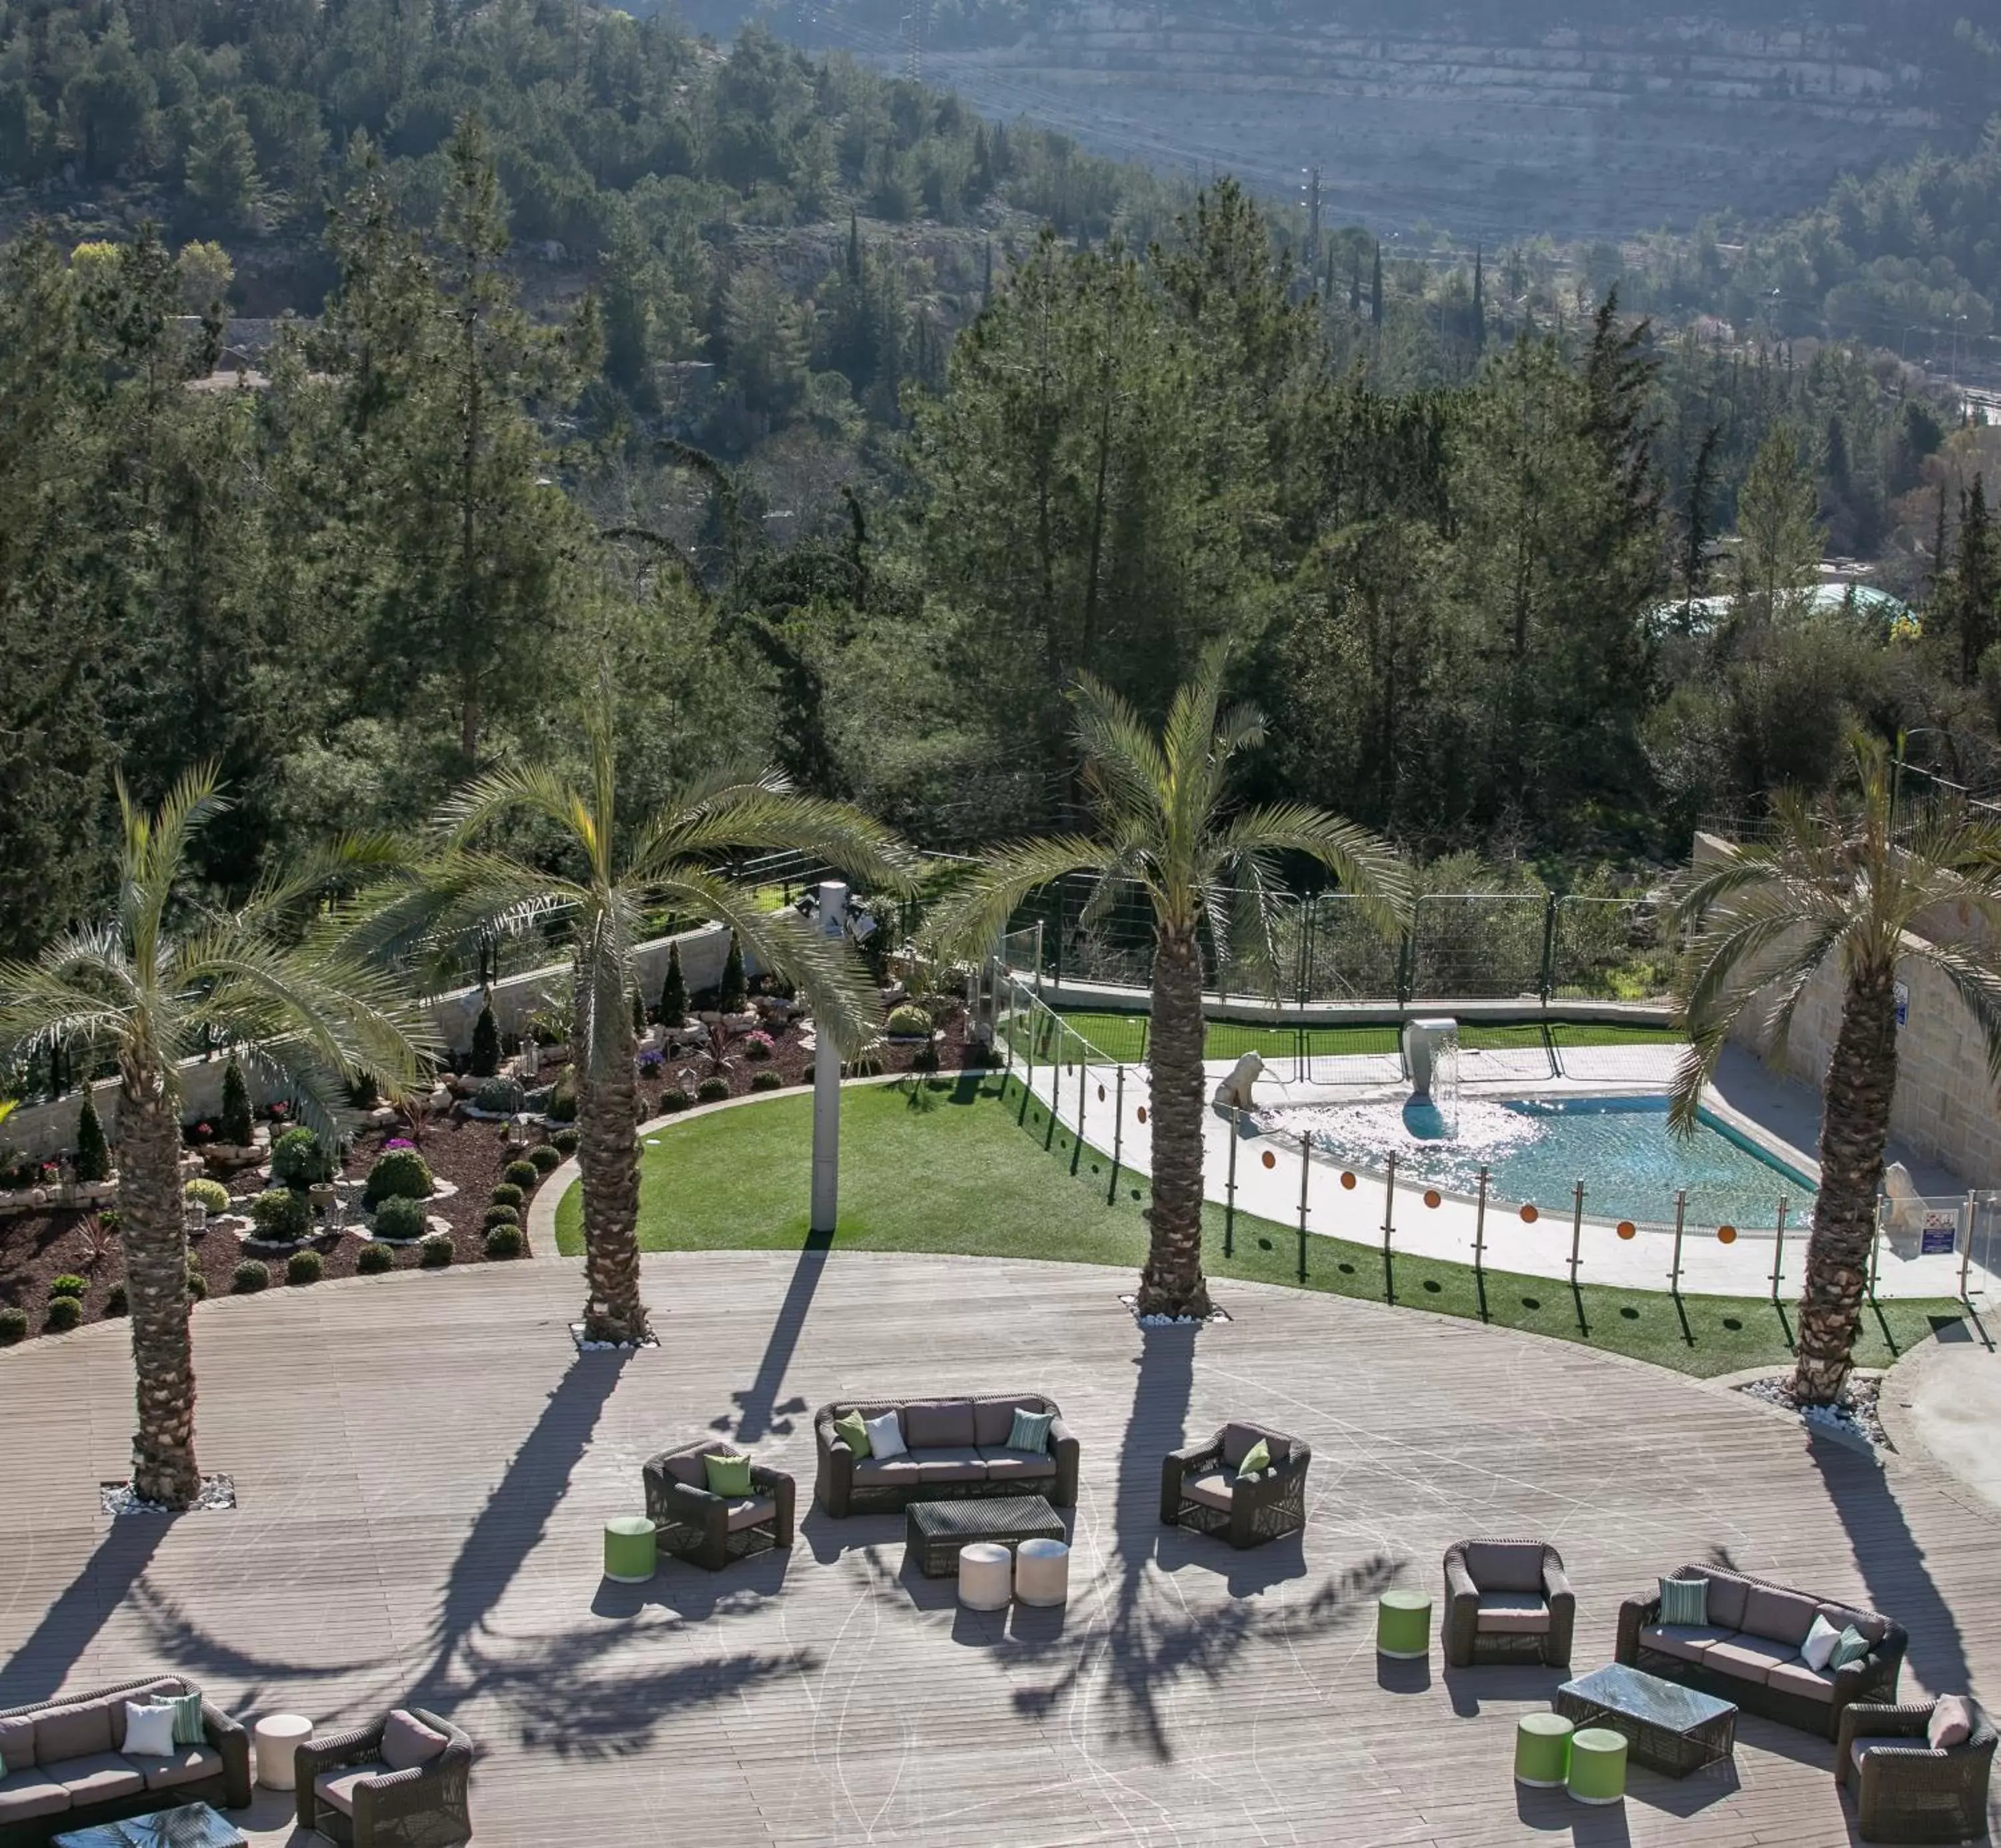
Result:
{"points": [[710, 1529], [354, 1788], [1748, 1652], [1506, 1601], [1200, 1487], [1906, 1790], [958, 1447], [67, 1769]]}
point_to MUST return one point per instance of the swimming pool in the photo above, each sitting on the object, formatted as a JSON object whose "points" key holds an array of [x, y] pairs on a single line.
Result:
{"points": [[1536, 1150]]}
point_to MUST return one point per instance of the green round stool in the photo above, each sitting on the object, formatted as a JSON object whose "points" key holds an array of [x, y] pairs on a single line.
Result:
{"points": [[628, 1549], [1542, 1751], [1598, 1765], [1403, 1626]]}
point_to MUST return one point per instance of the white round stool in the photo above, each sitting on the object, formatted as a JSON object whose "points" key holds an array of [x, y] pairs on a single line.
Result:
{"points": [[985, 1573], [1042, 1571], [278, 1737]]}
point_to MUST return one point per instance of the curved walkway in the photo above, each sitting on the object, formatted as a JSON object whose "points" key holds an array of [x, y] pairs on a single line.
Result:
{"points": [[424, 1463]]}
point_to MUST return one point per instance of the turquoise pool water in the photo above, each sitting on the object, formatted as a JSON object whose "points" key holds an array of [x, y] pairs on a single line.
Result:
{"points": [[1537, 1150]]}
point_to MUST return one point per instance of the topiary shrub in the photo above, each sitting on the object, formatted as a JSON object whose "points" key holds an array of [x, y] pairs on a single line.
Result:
{"points": [[435, 1253], [235, 1112], [373, 1259], [564, 1141], [673, 1099], [498, 1097], [507, 1194], [485, 1059], [767, 1080], [521, 1173], [673, 991], [712, 1091], [562, 1097], [69, 1286], [399, 1216], [545, 1157], [115, 1299], [303, 1267], [401, 1173], [13, 1326], [250, 1277], [63, 1313], [499, 1216], [197, 1283], [280, 1215], [503, 1241], [730, 997], [211, 1195], [638, 1015], [300, 1159], [93, 1153], [909, 1021]]}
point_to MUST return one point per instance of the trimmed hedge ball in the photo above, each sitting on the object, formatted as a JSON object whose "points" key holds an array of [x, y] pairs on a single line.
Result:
{"points": [[503, 1241], [435, 1253], [402, 1174], [304, 1267], [250, 1277], [373, 1259], [63, 1313], [400, 1217]]}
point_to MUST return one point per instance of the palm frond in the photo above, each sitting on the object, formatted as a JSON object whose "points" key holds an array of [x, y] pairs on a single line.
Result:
{"points": [[1978, 984], [768, 816], [1366, 865], [1123, 762], [511, 787], [970, 924]]}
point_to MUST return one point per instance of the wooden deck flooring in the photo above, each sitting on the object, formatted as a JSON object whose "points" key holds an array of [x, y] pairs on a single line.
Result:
{"points": [[424, 1463]]}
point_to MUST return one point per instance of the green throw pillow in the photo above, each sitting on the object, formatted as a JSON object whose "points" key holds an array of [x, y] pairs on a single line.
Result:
{"points": [[1685, 1601], [1853, 1646], [187, 1717], [854, 1432], [1257, 1458], [727, 1475], [1030, 1430]]}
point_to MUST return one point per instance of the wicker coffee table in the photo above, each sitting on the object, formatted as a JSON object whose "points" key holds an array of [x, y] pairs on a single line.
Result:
{"points": [[935, 1531], [193, 1826], [1667, 1728]]}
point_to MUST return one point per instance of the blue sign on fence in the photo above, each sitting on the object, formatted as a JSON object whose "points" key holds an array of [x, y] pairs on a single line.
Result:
{"points": [[1940, 1236]]}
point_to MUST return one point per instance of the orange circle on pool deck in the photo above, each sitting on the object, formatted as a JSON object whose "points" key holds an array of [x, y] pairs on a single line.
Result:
{"points": [[1626, 1228], [1142, 1113], [1430, 1196], [1529, 1216], [1726, 1235], [1347, 1180], [1271, 1161]]}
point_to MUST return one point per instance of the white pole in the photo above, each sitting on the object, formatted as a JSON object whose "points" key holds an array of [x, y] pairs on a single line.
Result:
{"points": [[826, 1082]]}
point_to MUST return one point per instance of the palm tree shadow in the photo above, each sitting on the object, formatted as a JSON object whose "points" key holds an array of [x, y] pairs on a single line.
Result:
{"points": [[758, 1410], [116, 1569]]}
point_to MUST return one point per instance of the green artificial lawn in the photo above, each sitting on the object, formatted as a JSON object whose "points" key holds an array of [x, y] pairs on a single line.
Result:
{"points": [[973, 1165]]}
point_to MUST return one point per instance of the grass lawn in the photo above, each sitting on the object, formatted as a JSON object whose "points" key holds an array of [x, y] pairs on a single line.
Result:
{"points": [[953, 1167]]}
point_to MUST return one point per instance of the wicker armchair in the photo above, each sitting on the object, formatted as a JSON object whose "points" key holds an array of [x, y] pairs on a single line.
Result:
{"points": [[425, 1806], [1200, 1487], [1506, 1601], [711, 1529], [1910, 1792]]}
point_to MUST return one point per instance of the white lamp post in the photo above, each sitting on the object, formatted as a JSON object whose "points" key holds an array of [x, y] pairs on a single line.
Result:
{"points": [[826, 1083]]}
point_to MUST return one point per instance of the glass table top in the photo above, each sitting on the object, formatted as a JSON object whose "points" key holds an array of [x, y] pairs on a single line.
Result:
{"points": [[1648, 1698], [193, 1826]]}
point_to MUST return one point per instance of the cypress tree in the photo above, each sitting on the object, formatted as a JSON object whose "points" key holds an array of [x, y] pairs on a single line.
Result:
{"points": [[235, 1105], [486, 1059], [1973, 603], [638, 1015], [854, 247], [674, 991], [1479, 300], [93, 1156], [1376, 290], [732, 996]]}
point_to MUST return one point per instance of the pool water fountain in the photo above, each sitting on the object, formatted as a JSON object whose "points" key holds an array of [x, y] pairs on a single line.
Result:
{"points": [[1430, 1055]]}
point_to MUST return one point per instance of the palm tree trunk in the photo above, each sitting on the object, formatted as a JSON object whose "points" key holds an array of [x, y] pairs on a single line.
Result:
{"points": [[607, 1160], [151, 1231], [1855, 1126], [1172, 1283]]}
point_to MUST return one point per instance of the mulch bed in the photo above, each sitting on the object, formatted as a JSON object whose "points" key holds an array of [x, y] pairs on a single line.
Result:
{"points": [[36, 1247]]}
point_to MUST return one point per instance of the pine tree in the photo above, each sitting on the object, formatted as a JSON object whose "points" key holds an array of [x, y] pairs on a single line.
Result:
{"points": [[236, 1122], [730, 998], [673, 991], [484, 1061], [1781, 539], [1973, 595], [93, 1157], [1696, 535]]}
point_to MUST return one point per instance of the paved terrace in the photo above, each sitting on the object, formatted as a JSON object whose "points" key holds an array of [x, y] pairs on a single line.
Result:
{"points": [[424, 1462]]}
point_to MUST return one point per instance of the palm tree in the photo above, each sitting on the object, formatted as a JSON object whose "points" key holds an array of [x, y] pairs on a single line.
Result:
{"points": [[161, 979], [1166, 825], [1833, 887], [614, 877]]}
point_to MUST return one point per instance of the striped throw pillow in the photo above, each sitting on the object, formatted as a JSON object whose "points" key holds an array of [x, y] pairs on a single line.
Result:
{"points": [[187, 1717], [1030, 1430], [1851, 1646], [1685, 1601]]}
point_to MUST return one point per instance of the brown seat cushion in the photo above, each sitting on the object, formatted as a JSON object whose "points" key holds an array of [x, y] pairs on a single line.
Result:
{"points": [[407, 1742], [30, 1792], [1795, 1677], [1505, 1565], [750, 1511], [17, 1743], [1237, 1440], [1212, 1488], [337, 1786], [894, 1472], [1686, 1641], [1747, 1658], [98, 1778], [938, 1424], [79, 1730], [1784, 1617], [993, 1419], [687, 1468], [1727, 1594], [1512, 1613], [1002, 1461], [950, 1463], [1868, 1743], [185, 1764]]}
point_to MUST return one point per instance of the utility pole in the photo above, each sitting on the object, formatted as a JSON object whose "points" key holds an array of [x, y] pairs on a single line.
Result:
{"points": [[914, 40]]}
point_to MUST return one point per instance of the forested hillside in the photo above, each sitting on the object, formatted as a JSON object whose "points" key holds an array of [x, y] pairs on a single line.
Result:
{"points": [[743, 390]]}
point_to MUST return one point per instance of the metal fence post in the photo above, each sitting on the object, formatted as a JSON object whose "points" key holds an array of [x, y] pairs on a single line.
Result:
{"points": [[1681, 1214], [1406, 959], [1117, 1131], [1306, 1172], [1966, 1252], [1548, 944], [1228, 1195], [1576, 1230], [1876, 1243], [1779, 1253], [1479, 1232], [1389, 1223]]}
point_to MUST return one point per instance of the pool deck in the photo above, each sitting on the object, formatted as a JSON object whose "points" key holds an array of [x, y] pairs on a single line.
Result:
{"points": [[1268, 1171]]}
